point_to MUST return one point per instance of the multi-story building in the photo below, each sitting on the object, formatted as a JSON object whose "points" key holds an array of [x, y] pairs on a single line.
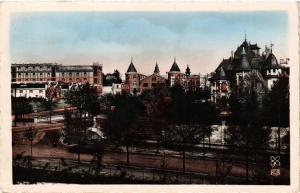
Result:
{"points": [[137, 83], [44, 73], [247, 66], [154, 80]]}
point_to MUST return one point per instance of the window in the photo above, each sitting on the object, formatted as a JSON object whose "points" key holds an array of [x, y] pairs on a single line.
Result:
{"points": [[153, 84], [70, 73], [41, 74], [26, 74], [21, 91], [77, 73], [30, 91], [63, 73], [84, 73], [41, 79], [154, 79], [84, 79], [33, 73], [145, 85], [40, 91], [19, 74], [33, 79], [274, 70]]}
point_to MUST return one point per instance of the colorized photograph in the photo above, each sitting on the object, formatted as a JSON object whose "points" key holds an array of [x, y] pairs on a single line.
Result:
{"points": [[150, 97]]}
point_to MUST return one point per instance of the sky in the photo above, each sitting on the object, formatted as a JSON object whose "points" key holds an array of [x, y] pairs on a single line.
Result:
{"points": [[199, 39]]}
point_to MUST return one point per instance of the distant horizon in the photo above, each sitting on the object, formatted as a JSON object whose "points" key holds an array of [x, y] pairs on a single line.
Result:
{"points": [[198, 39]]}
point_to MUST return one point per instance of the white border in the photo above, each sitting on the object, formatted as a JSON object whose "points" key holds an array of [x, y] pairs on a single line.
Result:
{"points": [[7, 8]]}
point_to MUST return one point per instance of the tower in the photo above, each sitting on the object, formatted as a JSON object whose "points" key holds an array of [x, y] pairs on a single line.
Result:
{"points": [[174, 75], [156, 69], [187, 71], [272, 69], [243, 66], [132, 78]]}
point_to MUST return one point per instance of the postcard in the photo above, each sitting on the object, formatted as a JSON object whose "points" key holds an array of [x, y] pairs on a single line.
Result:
{"points": [[149, 97]]}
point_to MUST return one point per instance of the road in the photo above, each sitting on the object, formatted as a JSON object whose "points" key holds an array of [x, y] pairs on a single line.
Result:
{"points": [[136, 159]]}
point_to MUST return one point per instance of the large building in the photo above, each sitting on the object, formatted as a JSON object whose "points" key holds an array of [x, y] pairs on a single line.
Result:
{"points": [[153, 80], [244, 65], [32, 75], [136, 83]]}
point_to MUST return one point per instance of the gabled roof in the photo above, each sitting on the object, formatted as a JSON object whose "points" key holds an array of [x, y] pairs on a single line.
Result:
{"points": [[226, 64], [220, 74], [153, 75], [254, 47]]}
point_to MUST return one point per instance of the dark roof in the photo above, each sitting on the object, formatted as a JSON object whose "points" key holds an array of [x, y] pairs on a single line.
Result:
{"points": [[131, 68], [220, 74], [75, 68], [271, 61], [256, 62], [29, 85], [226, 64], [174, 67], [36, 64], [254, 47], [243, 64], [156, 70]]}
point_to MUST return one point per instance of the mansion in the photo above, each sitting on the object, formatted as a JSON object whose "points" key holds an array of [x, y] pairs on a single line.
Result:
{"points": [[245, 68]]}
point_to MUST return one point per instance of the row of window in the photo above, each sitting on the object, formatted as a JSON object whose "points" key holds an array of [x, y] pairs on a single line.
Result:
{"points": [[146, 85], [70, 73], [30, 91], [71, 79], [34, 79], [33, 74], [63, 74], [33, 68]]}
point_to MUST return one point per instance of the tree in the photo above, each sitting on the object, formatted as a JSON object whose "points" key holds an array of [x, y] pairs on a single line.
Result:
{"points": [[85, 99], [122, 119], [276, 107], [184, 135], [30, 134], [111, 78], [20, 106], [49, 104], [248, 131]]}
